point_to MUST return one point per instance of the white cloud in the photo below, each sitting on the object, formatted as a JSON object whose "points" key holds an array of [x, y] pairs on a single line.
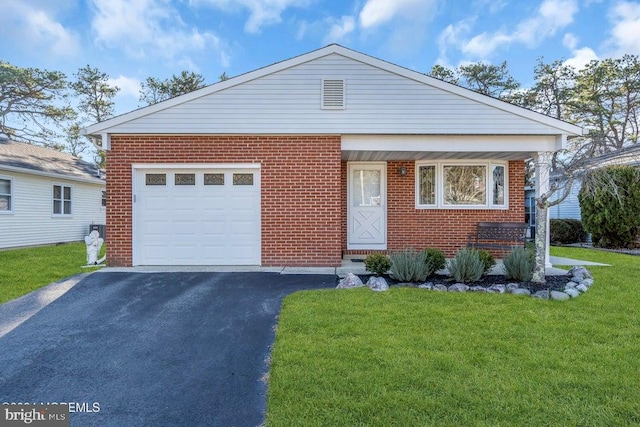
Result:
{"points": [[340, 29], [128, 85], [570, 40], [145, 28], [377, 12], [550, 17], [38, 28], [581, 57], [625, 34], [483, 45], [261, 12]]}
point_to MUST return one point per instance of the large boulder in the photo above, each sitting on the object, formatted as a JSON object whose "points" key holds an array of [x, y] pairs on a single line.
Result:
{"points": [[378, 284], [350, 281], [579, 273]]}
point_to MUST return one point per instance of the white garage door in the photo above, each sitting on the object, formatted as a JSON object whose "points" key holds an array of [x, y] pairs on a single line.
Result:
{"points": [[208, 216]]}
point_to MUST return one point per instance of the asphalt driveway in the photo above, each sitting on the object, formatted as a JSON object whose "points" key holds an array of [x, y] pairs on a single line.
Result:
{"points": [[152, 348]]}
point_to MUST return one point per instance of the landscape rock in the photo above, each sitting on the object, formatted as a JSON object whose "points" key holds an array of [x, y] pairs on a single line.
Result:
{"points": [[440, 287], [521, 291], [512, 286], [427, 285], [497, 289], [579, 273], [378, 284], [541, 295], [582, 288], [559, 296], [572, 292], [478, 289], [587, 282], [350, 281], [458, 287], [570, 285]]}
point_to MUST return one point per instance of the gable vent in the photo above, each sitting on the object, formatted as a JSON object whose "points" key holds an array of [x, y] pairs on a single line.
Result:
{"points": [[333, 94]]}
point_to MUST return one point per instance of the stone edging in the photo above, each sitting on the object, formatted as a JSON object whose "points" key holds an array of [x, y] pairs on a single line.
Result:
{"points": [[580, 282]]}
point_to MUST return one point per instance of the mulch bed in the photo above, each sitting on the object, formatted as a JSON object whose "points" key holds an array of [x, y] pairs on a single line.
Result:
{"points": [[553, 283]]}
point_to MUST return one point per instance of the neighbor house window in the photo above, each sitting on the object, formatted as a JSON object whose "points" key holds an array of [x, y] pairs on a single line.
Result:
{"points": [[6, 187], [481, 184], [61, 200], [104, 199]]}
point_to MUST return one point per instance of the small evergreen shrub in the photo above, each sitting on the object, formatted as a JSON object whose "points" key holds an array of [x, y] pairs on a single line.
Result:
{"points": [[487, 259], [518, 265], [565, 231], [435, 260], [377, 263], [466, 266], [409, 266]]}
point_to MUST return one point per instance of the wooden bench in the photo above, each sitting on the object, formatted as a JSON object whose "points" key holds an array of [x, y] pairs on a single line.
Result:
{"points": [[498, 235]]}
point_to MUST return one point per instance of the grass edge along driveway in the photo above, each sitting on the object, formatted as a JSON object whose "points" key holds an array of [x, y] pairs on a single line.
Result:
{"points": [[24, 270], [414, 357]]}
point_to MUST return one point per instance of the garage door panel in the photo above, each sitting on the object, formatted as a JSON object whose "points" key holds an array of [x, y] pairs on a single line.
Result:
{"points": [[214, 228], [197, 224]]}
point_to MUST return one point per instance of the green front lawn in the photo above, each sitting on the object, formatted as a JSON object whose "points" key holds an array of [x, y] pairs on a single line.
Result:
{"points": [[25, 270], [410, 357]]}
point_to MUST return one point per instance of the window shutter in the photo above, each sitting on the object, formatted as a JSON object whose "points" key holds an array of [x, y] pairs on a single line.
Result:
{"points": [[333, 94]]}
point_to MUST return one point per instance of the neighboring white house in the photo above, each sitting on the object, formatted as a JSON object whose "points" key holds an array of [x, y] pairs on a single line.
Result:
{"points": [[46, 196]]}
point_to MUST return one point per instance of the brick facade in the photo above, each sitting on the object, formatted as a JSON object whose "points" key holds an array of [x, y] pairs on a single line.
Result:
{"points": [[301, 190], [304, 196], [446, 229]]}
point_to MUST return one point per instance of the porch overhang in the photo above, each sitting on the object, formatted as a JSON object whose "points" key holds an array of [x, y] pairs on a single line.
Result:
{"points": [[443, 147]]}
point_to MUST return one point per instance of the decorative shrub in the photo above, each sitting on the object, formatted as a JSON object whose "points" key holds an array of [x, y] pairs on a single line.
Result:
{"points": [[435, 260], [377, 263], [409, 266], [487, 259], [518, 265], [610, 205], [567, 230], [466, 266]]}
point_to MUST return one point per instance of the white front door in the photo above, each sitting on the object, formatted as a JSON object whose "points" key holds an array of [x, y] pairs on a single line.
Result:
{"points": [[367, 206]]}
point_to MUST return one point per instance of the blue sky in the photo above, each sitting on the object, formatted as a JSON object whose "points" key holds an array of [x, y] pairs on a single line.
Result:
{"points": [[133, 39]]}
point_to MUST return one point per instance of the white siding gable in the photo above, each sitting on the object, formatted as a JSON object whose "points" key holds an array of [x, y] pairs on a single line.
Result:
{"points": [[379, 100], [32, 222]]}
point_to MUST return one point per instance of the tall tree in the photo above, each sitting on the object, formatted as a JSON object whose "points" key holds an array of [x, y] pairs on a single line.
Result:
{"points": [[607, 101], [94, 93], [488, 79], [95, 103], [154, 90], [552, 90], [32, 103], [445, 74]]}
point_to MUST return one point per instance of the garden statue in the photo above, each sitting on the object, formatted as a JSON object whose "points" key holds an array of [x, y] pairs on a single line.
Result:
{"points": [[94, 243]]}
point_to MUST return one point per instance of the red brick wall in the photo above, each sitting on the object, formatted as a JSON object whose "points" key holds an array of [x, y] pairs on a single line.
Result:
{"points": [[301, 189], [446, 229]]}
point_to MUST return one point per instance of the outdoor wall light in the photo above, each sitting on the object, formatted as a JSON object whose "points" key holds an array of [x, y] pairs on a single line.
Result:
{"points": [[402, 171]]}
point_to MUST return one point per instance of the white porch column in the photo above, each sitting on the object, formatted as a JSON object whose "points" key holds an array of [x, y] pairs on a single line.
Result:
{"points": [[542, 169]]}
